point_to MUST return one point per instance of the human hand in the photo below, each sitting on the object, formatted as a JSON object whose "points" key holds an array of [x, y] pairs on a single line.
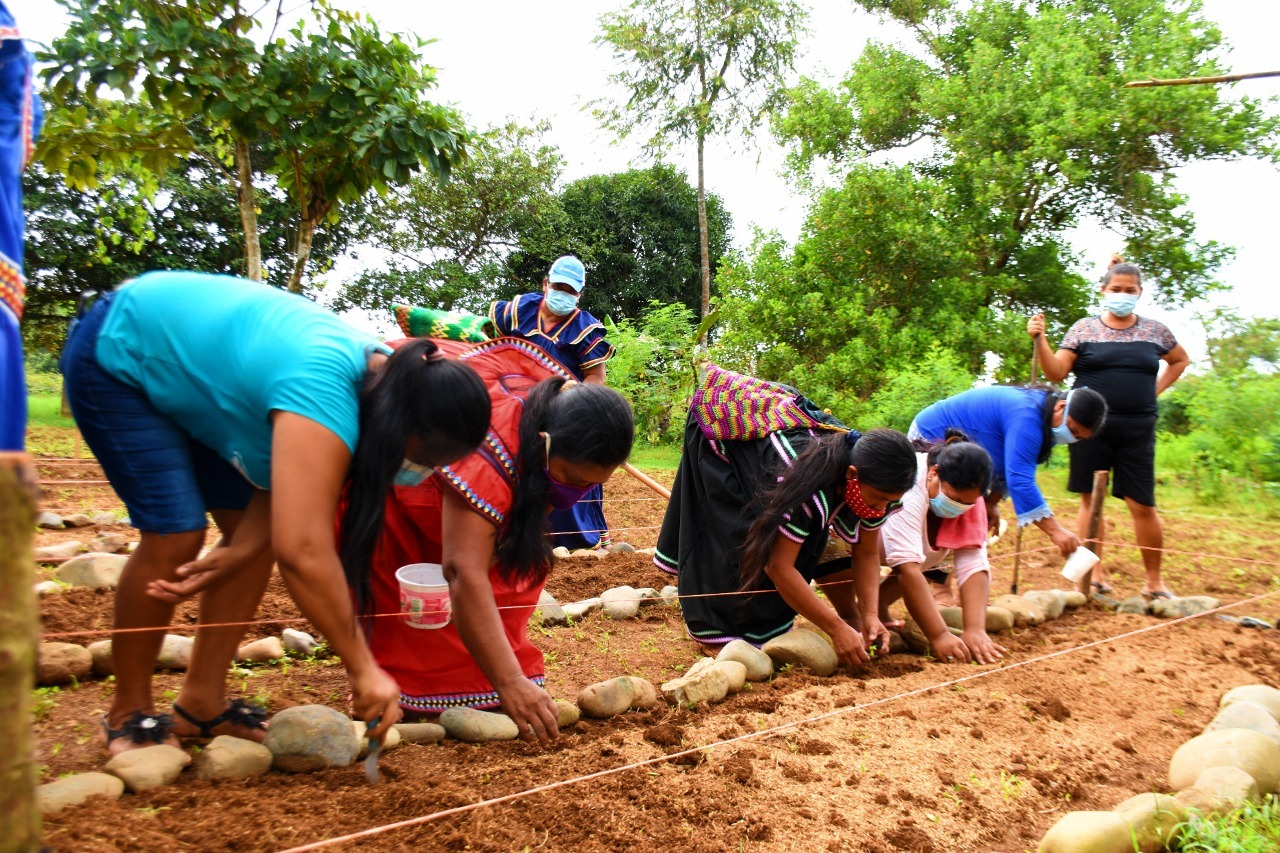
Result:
{"points": [[984, 649], [993, 518], [1035, 325], [532, 710], [949, 648], [850, 647], [876, 635], [375, 696], [1066, 541], [210, 570]]}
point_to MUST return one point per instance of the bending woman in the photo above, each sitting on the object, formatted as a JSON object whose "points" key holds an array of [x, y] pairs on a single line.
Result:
{"points": [[484, 519], [211, 394], [943, 515], [751, 508]]}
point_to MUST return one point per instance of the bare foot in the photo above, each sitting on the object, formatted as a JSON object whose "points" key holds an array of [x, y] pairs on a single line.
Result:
{"points": [[942, 595], [238, 718]]}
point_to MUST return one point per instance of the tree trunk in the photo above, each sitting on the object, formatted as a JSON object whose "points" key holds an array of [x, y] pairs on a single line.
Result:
{"points": [[248, 212], [19, 805], [306, 233], [703, 243]]}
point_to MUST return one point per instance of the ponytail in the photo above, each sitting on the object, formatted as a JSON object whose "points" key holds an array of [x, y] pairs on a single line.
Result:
{"points": [[962, 463]]}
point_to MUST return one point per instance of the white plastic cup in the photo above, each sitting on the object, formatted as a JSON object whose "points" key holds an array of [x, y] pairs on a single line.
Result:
{"points": [[1079, 564], [424, 595]]}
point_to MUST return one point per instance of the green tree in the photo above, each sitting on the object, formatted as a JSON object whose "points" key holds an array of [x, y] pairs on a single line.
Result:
{"points": [[637, 233], [341, 106], [448, 242], [697, 68], [654, 368]]}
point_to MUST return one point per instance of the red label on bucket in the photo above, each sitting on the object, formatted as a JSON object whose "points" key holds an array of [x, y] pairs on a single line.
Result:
{"points": [[424, 609]]}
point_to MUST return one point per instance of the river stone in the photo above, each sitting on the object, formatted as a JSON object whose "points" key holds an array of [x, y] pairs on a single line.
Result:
{"points": [[100, 652], [609, 698], [298, 642], [78, 519], [103, 519], [804, 648], [228, 757], [589, 552], [50, 521], [998, 619], [913, 636], [1088, 832], [1052, 601], [643, 693], [648, 595], [579, 609], [1074, 598], [622, 548], [1176, 608], [420, 732], [47, 588], [62, 663], [953, 617], [701, 686], [261, 651], [567, 714], [758, 665], [1134, 604], [1226, 788], [175, 652], [621, 602], [94, 571], [1262, 694], [735, 673], [110, 543], [1254, 753], [74, 790], [390, 740], [550, 610], [311, 737], [1154, 819], [61, 551], [560, 552], [1246, 715], [670, 595], [1025, 611], [472, 726], [148, 767]]}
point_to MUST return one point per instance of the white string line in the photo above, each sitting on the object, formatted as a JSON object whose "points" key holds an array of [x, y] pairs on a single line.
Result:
{"points": [[751, 735]]}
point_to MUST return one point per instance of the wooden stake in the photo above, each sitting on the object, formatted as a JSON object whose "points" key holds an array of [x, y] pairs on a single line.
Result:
{"points": [[1195, 81], [1095, 523], [19, 804], [648, 481], [1017, 537]]}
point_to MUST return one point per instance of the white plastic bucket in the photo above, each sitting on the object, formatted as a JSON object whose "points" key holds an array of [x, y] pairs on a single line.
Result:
{"points": [[424, 595], [1079, 564]]}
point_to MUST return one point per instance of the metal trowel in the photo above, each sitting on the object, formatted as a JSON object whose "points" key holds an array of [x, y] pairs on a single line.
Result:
{"points": [[371, 771]]}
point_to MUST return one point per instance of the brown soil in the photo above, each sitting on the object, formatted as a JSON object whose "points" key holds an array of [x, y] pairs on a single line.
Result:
{"points": [[902, 759]]}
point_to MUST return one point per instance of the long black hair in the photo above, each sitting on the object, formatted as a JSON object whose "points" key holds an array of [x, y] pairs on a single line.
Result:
{"points": [[1088, 408], [588, 423], [962, 462], [884, 458], [418, 393]]}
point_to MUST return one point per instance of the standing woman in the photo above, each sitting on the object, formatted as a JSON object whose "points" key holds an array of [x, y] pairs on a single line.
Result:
{"points": [[212, 394], [1019, 427], [485, 519], [1118, 354], [553, 322], [764, 477]]}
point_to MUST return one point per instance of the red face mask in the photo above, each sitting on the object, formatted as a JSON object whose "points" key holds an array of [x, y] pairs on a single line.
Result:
{"points": [[853, 497]]}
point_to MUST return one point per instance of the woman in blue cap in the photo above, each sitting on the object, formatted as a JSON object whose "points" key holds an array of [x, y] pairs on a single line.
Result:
{"points": [[552, 321]]}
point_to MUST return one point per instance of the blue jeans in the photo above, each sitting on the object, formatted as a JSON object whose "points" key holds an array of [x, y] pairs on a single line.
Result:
{"points": [[167, 479]]}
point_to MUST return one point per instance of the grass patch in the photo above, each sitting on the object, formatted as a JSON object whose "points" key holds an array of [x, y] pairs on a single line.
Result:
{"points": [[1250, 829], [661, 457], [45, 410]]}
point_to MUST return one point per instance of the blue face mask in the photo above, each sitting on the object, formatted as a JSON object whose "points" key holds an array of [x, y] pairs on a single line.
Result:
{"points": [[1062, 433], [411, 474], [561, 303], [944, 507], [1120, 304]]}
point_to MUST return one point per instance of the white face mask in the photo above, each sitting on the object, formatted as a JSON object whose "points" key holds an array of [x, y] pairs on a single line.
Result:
{"points": [[561, 303], [1120, 304], [1062, 433]]}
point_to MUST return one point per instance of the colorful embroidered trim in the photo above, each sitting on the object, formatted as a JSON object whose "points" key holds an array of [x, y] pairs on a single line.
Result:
{"points": [[13, 286], [732, 406], [435, 704], [665, 563]]}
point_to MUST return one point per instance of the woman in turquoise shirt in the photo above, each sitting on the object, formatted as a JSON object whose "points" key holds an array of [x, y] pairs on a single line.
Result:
{"points": [[212, 394]]}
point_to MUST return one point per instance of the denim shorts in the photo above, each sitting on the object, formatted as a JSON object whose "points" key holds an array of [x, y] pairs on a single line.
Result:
{"points": [[168, 480]]}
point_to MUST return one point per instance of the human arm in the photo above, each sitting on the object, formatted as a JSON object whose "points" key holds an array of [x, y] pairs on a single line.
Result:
{"points": [[1055, 365], [920, 604], [469, 541], [973, 603], [795, 591], [308, 467], [252, 538], [1176, 361], [595, 374], [866, 583], [1022, 444]]}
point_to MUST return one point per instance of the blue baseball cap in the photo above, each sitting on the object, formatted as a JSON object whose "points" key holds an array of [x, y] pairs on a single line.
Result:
{"points": [[568, 270]]}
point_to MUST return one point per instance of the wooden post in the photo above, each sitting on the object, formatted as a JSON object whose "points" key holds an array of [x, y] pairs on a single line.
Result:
{"points": [[648, 481], [19, 805], [1017, 537], [1095, 523]]}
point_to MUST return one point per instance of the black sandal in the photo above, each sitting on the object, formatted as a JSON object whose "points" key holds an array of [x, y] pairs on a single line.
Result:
{"points": [[239, 713], [140, 728]]}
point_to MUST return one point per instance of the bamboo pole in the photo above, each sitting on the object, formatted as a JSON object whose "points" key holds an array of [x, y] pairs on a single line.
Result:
{"points": [[19, 804], [1096, 499], [1194, 81], [648, 481], [1017, 537]]}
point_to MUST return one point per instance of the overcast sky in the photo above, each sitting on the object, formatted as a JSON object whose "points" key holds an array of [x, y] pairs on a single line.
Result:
{"points": [[502, 59]]}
